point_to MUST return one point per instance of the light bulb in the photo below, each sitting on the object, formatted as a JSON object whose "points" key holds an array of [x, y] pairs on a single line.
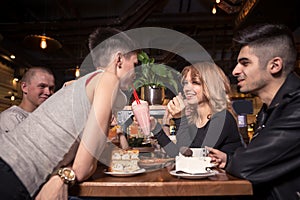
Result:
{"points": [[43, 43], [217, 1], [214, 10], [77, 72]]}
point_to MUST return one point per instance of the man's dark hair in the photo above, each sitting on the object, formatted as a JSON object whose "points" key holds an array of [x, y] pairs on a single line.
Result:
{"points": [[269, 41]]}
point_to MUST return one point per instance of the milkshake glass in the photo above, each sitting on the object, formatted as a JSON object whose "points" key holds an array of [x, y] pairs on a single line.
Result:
{"points": [[142, 115]]}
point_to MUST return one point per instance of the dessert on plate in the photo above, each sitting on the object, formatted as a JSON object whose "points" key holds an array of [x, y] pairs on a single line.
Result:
{"points": [[124, 161], [192, 164]]}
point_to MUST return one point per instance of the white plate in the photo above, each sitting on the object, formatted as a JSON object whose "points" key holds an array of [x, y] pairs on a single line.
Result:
{"points": [[124, 174], [193, 176]]}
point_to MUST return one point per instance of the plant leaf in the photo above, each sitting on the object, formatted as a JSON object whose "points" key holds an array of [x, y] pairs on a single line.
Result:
{"points": [[151, 73]]}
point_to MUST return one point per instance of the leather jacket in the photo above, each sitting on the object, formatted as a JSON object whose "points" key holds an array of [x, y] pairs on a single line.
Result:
{"points": [[271, 161]]}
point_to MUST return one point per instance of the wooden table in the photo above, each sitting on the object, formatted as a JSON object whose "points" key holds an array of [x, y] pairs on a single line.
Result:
{"points": [[160, 183]]}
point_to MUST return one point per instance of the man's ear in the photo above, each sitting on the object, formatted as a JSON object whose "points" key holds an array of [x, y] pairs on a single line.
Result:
{"points": [[276, 65], [119, 59], [24, 87]]}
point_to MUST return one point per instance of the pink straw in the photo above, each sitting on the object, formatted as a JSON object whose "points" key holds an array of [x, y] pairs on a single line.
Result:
{"points": [[136, 96]]}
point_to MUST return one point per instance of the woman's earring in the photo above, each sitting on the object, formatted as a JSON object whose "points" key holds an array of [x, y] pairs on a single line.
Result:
{"points": [[119, 66]]}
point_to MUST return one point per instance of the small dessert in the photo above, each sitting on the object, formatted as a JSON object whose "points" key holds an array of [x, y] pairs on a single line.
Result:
{"points": [[192, 165], [124, 160]]}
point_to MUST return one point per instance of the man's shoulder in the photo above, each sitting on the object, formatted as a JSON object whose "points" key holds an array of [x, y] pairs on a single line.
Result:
{"points": [[14, 110], [292, 96], [292, 84], [12, 116]]}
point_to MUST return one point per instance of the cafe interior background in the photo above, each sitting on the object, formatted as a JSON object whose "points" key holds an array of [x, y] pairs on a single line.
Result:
{"points": [[66, 24]]}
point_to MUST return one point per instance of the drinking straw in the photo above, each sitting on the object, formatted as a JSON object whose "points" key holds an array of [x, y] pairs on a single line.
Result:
{"points": [[136, 96]]}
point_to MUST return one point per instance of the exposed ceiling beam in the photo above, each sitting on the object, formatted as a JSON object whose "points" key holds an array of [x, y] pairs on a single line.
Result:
{"points": [[245, 11]]}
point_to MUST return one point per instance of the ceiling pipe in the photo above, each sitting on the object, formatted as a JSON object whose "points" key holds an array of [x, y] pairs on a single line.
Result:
{"points": [[140, 15]]}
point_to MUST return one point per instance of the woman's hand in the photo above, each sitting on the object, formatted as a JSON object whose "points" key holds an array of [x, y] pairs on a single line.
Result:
{"points": [[217, 156], [166, 122], [176, 106], [54, 189], [153, 122]]}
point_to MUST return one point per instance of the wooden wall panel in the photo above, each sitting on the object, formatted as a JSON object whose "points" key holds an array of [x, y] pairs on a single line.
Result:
{"points": [[7, 86]]}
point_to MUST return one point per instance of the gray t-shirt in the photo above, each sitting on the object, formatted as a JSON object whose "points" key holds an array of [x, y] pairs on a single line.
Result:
{"points": [[11, 117], [48, 137]]}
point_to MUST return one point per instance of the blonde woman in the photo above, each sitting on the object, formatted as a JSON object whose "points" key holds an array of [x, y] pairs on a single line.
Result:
{"points": [[211, 123]]}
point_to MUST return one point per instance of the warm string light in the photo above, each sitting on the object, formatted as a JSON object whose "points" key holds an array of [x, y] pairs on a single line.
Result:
{"points": [[214, 10], [77, 72], [43, 43], [17, 76]]}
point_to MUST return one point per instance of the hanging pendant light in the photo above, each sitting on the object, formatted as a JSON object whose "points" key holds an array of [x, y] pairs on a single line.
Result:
{"points": [[41, 42]]}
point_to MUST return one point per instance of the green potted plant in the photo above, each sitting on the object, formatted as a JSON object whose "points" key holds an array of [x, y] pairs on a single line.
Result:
{"points": [[153, 78]]}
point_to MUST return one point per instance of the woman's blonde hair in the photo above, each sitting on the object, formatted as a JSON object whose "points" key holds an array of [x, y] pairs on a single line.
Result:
{"points": [[216, 85]]}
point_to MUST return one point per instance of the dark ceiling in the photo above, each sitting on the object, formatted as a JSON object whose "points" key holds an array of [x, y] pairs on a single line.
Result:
{"points": [[71, 21]]}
